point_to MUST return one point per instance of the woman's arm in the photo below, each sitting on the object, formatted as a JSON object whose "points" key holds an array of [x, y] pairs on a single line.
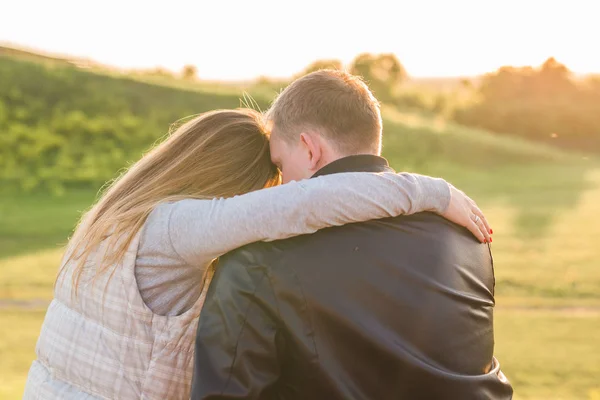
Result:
{"points": [[201, 230]]}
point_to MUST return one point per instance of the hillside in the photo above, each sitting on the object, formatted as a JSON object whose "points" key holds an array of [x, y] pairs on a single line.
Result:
{"points": [[36, 56], [66, 126]]}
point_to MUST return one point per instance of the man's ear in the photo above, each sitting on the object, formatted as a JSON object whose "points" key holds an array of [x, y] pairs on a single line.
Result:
{"points": [[313, 146]]}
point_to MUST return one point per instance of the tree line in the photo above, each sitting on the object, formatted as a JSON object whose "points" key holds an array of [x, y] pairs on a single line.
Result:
{"points": [[546, 103]]}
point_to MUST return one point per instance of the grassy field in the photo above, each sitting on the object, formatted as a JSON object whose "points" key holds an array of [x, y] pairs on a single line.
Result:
{"points": [[18, 335], [544, 206]]}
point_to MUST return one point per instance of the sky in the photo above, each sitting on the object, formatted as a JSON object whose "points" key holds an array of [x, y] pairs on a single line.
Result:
{"points": [[236, 40]]}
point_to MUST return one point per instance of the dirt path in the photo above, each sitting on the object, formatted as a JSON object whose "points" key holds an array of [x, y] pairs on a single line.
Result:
{"points": [[29, 305], [582, 311], [41, 305]]}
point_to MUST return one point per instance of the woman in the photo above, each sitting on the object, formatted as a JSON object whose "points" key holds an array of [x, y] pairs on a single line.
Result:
{"points": [[132, 281]]}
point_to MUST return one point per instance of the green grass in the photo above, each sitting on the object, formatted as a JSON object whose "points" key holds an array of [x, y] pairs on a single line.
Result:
{"points": [[33, 222], [549, 354], [18, 335], [29, 277], [544, 205]]}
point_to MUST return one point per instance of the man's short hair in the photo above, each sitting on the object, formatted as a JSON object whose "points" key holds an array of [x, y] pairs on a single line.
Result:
{"points": [[335, 104]]}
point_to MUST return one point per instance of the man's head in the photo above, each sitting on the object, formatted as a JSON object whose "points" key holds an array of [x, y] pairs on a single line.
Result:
{"points": [[319, 118]]}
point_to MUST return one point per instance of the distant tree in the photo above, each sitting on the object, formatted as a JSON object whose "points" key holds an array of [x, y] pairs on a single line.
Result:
{"points": [[323, 64], [555, 76], [542, 103], [382, 72], [189, 72]]}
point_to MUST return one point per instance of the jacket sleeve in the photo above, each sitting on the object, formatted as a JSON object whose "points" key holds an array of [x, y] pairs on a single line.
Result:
{"points": [[238, 343]]}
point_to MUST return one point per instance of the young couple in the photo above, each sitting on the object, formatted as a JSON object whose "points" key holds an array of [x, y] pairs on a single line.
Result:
{"points": [[391, 298]]}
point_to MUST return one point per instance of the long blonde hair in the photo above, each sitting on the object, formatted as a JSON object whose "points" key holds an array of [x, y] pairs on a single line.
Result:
{"points": [[217, 154]]}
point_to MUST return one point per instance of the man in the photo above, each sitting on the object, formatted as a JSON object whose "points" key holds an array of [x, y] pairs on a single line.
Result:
{"points": [[399, 308]]}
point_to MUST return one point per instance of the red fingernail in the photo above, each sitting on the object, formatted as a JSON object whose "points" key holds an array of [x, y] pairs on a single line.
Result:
{"points": [[484, 240], [491, 231], [491, 240]]}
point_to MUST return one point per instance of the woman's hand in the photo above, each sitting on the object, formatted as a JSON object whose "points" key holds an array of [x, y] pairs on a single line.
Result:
{"points": [[464, 212]]}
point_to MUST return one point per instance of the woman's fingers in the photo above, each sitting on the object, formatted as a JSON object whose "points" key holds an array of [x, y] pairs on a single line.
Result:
{"points": [[475, 230], [484, 231], [464, 211], [479, 213], [481, 222]]}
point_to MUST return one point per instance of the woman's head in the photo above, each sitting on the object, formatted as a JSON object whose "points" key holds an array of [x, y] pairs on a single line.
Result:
{"points": [[217, 154]]}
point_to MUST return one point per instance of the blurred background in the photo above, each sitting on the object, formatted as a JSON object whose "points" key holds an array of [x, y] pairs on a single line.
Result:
{"points": [[499, 98]]}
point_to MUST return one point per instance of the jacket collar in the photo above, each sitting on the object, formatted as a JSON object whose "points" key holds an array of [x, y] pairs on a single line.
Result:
{"points": [[357, 163]]}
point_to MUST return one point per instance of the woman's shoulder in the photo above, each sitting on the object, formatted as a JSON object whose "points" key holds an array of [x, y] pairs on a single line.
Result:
{"points": [[156, 228], [162, 212], [175, 229]]}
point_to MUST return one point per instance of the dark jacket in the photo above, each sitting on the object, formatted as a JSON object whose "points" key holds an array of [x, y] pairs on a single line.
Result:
{"points": [[399, 308]]}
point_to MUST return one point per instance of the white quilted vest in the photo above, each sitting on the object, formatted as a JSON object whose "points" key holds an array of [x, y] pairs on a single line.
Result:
{"points": [[107, 344]]}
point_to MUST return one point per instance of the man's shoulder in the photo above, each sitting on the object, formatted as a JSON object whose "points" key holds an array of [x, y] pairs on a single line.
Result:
{"points": [[414, 229], [265, 254], [402, 225]]}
